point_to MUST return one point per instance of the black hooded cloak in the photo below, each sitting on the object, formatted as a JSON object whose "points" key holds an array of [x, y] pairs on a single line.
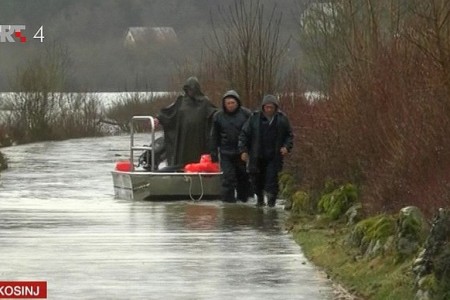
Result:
{"points": [[186, 124]]}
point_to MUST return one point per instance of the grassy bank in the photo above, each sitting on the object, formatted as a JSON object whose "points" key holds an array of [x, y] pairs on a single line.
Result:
{"points": [[377, 278]]}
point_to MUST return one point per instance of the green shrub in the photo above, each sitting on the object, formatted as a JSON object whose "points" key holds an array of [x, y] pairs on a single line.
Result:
{"points": [[335, 203], [287, 183], [301, 203], [375, 229]]}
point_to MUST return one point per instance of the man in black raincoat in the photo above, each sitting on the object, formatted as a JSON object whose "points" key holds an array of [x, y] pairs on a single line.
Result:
{"points": [[264, 140], [186, 124], [227, 125]]}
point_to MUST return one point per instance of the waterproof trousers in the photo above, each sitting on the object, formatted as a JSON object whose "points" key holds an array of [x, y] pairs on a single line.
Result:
{"points": [[266, 179], [235, 180]]}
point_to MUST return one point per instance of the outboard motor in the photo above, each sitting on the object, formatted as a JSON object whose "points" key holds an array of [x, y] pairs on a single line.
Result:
{"points": [[145, 159]]}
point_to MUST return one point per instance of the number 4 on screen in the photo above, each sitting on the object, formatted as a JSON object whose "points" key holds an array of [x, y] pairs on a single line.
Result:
{"points": [[39, 34]]}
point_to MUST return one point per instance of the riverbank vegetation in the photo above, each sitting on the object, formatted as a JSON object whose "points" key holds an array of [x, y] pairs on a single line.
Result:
{"points": [[400, 255], [383, 128], [39, 109], [122, 109], [378, 278], [383, 125]]}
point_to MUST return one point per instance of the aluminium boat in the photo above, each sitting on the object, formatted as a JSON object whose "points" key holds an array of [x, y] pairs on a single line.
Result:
{"points": [[134, 183]]}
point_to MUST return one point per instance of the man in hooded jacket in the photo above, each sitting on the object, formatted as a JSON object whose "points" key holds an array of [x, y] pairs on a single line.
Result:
{"points": [[187, 124], [225, 131], [264, 140]]}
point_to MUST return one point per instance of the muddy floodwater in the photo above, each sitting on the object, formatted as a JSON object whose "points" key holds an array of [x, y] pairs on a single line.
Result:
{"points": [[60, 223]]}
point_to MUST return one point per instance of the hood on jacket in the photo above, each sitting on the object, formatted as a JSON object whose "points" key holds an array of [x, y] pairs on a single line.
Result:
{"points": [[193, 85], [233, 94], [270, 99]]}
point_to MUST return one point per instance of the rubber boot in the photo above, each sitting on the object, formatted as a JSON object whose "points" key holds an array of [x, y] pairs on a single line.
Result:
{"points": [[271, 199], [260, 199]]}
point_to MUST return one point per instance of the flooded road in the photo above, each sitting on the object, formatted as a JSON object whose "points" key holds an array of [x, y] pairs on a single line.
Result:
{"points": [[60, 223]]}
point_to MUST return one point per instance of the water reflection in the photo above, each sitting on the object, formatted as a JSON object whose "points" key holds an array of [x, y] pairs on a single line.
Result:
{"points": [[242, 217], [59, 222], [199, 216]]}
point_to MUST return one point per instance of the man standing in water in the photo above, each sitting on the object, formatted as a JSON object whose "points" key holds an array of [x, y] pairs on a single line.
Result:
{"points": [[187, 124], [226, 128], [264, 141]]}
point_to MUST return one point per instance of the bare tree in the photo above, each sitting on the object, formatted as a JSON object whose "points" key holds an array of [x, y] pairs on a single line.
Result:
{"points": [[40, 110], [37, 89], [337, 36], [247, 49], [429, 31]]}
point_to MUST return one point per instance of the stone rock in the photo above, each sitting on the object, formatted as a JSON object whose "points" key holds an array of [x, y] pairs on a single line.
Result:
{"points": [[411, 228], [353, 214], [434, 260]]}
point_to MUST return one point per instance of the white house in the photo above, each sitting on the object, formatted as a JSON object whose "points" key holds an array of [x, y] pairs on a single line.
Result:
{"points": [[160, 35]]}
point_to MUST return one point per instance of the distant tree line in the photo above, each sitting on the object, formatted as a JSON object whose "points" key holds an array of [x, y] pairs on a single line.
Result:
{"points": [[94, 32]]}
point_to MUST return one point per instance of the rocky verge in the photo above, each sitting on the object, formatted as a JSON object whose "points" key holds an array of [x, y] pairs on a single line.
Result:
{"points": [[356, 250]]}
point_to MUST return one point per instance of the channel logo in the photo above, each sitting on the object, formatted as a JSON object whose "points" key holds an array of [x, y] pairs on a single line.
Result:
{"points": [[23, 289], [16, 33]]}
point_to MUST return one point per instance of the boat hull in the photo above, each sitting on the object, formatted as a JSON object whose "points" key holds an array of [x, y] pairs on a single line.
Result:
{"points": [[157, 186]]}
